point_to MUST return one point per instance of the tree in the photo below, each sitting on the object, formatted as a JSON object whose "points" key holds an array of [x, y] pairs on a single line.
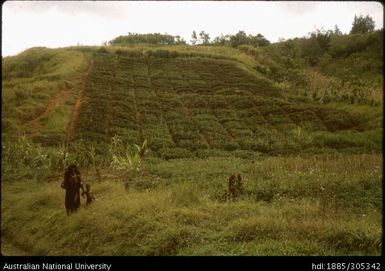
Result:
{"points": [[323, 37], [362, 24], [204, 37], [316, 45], [194, 38], [242, 38], [258, 40], [238, 39], [222, 40], [312, 50], [337, 31], [179, 40]]}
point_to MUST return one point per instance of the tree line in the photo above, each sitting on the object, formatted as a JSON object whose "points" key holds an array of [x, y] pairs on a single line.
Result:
{"points": [[312, 47], [334, 44], [203, 38], [151, 38], [240, 38]]}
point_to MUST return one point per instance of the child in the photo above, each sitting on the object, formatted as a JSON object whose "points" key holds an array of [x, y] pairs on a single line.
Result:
{"points": [[89, 196]]}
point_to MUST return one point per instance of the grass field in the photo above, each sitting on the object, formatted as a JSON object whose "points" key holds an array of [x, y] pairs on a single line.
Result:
{"points": [[320, 205], [310, 158]]}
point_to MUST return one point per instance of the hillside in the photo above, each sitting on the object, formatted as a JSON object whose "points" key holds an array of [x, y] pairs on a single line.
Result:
{"points": [[186, 103], [304, 134], [39, 86]]}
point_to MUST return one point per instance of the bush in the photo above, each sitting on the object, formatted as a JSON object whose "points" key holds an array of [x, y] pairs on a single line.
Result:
{"points": [[336, 120], [102, 50], [369, 140]]}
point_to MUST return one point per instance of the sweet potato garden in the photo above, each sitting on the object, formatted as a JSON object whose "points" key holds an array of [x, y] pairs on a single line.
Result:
{"points": [[214, 149]]}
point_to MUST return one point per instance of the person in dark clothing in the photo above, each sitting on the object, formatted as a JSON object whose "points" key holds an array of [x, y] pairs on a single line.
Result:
{"points": [[72, 184]]}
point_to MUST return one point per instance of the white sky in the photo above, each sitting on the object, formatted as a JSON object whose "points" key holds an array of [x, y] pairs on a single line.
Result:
{"points": [[27, 24]]}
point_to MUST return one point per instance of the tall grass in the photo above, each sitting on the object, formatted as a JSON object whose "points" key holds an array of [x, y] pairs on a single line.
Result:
{"points": [[324, 205]]}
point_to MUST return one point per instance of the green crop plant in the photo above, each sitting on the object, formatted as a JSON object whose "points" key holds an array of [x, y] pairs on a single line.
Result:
{"points": [[127, 160], [129, 164], [23, 157], [142, 149]]}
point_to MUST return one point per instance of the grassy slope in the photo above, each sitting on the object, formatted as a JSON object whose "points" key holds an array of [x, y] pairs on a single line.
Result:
{"points": [[310, 205], [39, 90], [325, 205]]}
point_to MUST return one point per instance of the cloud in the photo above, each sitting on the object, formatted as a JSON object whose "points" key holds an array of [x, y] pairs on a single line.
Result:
{"points": [[107, 9], [298, 8]]}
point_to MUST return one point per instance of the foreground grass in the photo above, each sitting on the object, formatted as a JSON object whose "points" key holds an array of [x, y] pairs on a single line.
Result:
{"points": [[320, 205]]}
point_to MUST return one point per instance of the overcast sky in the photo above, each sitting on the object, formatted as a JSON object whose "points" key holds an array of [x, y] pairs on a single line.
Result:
{"points": [[27, 24]]}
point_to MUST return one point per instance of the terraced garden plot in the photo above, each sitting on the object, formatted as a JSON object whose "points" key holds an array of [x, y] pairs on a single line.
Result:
{"points": [[182, 105]]}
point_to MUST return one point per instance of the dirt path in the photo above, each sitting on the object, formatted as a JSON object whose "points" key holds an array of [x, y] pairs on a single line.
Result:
{"points": [[35, 125], [75, 113]]}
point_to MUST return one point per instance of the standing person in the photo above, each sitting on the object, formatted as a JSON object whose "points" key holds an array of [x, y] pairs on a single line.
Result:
{"points": [[72, 184]]}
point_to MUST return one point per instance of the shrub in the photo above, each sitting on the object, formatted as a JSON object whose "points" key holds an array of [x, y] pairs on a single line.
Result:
{"points": [[102, 50]]}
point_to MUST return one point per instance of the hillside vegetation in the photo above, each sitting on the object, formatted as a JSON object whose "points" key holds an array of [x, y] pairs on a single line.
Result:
{"points": [[324, 205], [299, 120], [186, 101], [39, 89]]}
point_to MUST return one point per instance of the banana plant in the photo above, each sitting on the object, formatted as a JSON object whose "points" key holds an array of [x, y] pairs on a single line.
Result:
{"points": [[142, 150], [129, 163]]}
